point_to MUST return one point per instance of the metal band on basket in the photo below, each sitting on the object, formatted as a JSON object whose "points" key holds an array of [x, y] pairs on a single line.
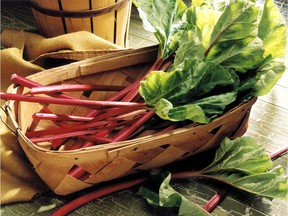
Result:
{"points": [[78, 14]]}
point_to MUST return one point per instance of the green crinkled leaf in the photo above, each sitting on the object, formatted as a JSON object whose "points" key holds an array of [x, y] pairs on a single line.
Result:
{"points": [[151, 197], [190, 48], [242, 55], [201, 21], [241, 51], [174, 95], [170, 198], [244, 164], [165, 110], [199, 111], [220, 46], [272, 30], [273, 184], [234, 41], [216, 104], [194, 79], [242, 154], [164, 19], [238, 21], [267, 75]]}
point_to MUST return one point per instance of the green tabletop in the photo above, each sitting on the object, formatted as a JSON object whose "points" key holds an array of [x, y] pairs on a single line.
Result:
{"points": [[268, 124]]}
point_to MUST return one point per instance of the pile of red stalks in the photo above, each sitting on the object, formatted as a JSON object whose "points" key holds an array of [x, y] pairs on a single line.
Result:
{"points": [[118, 118]]}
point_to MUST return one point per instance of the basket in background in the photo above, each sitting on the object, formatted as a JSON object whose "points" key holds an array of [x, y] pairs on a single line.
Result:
{"points": [[107, 19], [105, 162]]}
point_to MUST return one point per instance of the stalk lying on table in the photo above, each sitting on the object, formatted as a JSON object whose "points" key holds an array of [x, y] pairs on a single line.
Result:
{"points": [[168, 197]]}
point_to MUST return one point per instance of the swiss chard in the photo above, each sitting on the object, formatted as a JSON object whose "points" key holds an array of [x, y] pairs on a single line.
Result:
{"points": [[170, 198], [164, 19], [235, 37], [241, 163], [271, 26], [186, 93]]}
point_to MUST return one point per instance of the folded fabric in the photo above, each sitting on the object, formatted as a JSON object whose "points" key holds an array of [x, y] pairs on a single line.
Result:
{"points": [[26, 52], [35, 45], [12, 62], [19, 182], [23, 54]]}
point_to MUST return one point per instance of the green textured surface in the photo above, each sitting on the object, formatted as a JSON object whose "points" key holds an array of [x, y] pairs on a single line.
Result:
{"points": [[268, 123]]}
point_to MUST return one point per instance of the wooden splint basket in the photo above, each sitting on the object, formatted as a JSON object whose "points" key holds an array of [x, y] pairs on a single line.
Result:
{"points": [[105, 162], [107, 19]]}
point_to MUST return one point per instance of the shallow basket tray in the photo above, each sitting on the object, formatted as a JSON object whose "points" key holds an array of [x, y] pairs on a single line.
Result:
{"points": [[111, 161]]}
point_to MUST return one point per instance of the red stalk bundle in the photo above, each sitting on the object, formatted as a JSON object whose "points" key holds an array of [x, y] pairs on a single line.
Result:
{"points": [[115, 119]]}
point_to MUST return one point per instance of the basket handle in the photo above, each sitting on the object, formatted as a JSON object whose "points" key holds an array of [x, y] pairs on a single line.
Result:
{"points": [[78, 14]]}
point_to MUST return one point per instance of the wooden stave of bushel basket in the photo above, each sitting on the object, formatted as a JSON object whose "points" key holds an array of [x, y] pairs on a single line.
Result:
{"points": [[111, 161], [107, 19]]}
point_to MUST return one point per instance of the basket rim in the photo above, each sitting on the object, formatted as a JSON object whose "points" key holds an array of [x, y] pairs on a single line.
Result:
{"points": [[78, 14]]}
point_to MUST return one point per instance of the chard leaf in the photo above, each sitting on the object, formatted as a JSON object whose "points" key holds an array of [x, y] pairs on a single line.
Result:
{"points": [[190, 48], [272, 30], [268, 74], [194, 79], [216, 104], [242, 55], [169, 198], [234, 42], [164, 19], [271, 184], [271, 26], [151, 197], [200, 111], [229, 37], [165, 110], [245, 164], [201, 21], [189, 92], [242, 154], [239, 20]]}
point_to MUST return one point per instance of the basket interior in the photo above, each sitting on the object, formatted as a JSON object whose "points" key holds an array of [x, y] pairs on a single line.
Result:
{"points": [[118, 77]]}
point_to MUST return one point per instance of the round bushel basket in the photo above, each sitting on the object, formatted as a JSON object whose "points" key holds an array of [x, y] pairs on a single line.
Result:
{"points": [[104, 162], [107, 19]]}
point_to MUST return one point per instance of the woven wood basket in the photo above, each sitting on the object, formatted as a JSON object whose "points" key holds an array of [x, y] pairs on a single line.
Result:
{"points": [[108, 19], [111, 161]]}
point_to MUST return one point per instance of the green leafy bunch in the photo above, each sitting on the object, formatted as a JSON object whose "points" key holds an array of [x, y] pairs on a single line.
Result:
{"points": [[225, 52]]}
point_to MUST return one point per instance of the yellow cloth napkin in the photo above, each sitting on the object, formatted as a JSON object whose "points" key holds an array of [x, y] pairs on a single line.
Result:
{"points": [[24, 54]]}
